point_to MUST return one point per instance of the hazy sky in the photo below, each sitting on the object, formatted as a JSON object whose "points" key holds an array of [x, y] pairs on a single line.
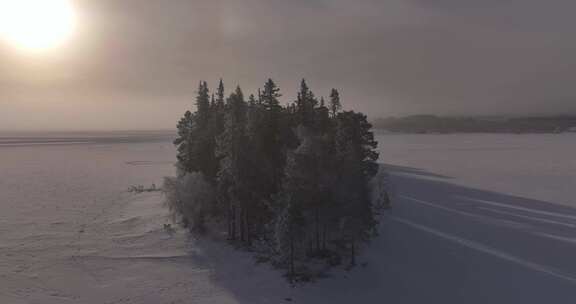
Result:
{"points": [[135, 64]]}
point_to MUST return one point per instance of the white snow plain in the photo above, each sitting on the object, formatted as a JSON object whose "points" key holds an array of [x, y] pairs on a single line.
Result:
{"points": [[475, 219]]}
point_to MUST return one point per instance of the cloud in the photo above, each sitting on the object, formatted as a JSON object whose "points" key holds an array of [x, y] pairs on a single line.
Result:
{"points": [[387, 57]]}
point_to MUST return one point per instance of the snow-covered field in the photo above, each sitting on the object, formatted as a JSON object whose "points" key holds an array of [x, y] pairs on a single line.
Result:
{"points": [[476, 219]]}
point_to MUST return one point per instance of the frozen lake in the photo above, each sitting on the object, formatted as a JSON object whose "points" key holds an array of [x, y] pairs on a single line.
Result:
{"points": [[476, 219], [538, 166]]}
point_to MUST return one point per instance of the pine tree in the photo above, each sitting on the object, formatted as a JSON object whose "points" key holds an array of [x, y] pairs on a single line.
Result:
{"points": [[252, 101], [203, 142], [322, 121], [196, 137], [273, 138], [234, 165], [293, 221], [355, 151], [184, 144], [269, 97], [215, 129], [335, 105], [220, 94], [259, 179], [203, 105], [305, 104]]}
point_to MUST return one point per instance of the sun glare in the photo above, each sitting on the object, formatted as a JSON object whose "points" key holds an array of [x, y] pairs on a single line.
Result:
{"points": [[36, 24]]}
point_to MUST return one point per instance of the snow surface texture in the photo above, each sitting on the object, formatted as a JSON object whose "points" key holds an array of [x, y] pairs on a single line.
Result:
{"points": [[475, 219]]}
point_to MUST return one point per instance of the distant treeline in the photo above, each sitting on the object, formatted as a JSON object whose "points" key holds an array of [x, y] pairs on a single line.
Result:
{"points": [[439, 124], [290, 182]]}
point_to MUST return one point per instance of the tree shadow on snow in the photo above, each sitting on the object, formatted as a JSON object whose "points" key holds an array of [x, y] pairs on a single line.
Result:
{"points": [[396, 169], [408, 265]]}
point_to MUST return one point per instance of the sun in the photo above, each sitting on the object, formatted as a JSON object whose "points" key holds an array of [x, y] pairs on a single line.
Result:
{"points": [[36, 25]]}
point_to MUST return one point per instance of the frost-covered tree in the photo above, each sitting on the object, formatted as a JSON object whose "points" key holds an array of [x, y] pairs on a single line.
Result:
{"points": [[189, 198]]}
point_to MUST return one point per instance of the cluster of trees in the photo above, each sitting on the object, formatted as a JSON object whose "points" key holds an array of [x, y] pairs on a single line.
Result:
{"points": [[288, 181]]}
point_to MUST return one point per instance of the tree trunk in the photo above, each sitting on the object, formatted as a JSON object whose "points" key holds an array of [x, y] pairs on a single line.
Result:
{"points": [[291, 266], [229, 222], [233, 226], [247, 228], [240, 225], [317, 219], [353, 254], [324, 236]]}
